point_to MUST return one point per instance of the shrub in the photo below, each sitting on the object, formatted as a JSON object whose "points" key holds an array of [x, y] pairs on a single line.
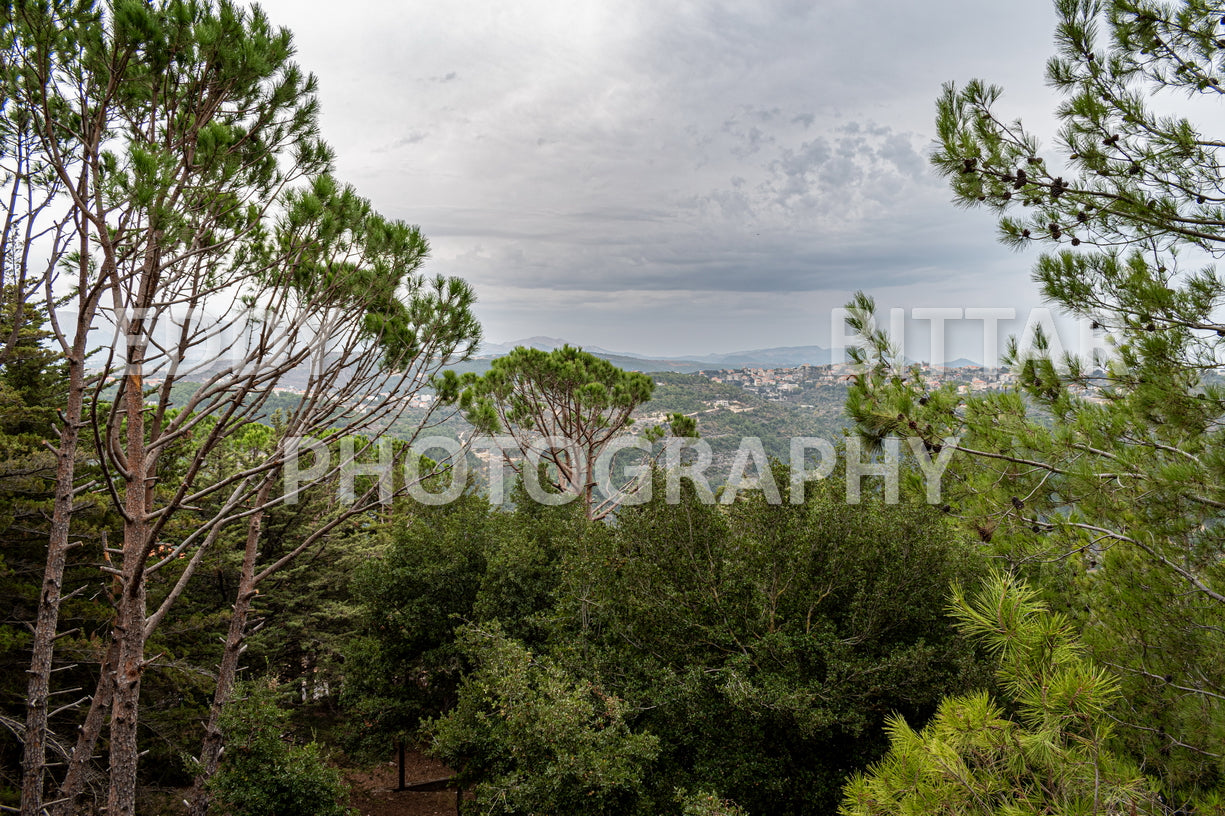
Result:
{"points": [[262, 773]]}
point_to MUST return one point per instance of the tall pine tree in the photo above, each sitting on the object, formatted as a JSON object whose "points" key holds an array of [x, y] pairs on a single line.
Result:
{"points": [[1105, 478]]}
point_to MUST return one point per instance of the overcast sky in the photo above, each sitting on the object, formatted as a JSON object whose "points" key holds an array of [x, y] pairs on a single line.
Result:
{"points": [[675, 177]]}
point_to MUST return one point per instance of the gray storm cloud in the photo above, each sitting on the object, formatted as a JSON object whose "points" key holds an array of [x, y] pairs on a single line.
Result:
{"points": [[697, 151]]}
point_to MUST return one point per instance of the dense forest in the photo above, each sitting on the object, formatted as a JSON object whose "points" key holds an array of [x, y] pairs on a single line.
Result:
{"points": [[261, 526]]}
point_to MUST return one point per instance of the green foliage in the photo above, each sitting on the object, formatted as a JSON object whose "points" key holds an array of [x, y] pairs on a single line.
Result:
{"points": [[764, 643], [727, 413], [1050, 755], [691, 393], [562, 409], [346, 255], [676, 425], [758, 647], [172, 151], [306, 617], [437, 568], [704, 803], [564, 391], [32, 380], [32, 376], [525, 565], [404, 666], [536, 739], [1131, 175], [1103, 480], [261, 773]]}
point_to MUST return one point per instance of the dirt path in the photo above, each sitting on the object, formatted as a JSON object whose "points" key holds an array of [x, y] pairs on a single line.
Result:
{"points": [[374, 791]]}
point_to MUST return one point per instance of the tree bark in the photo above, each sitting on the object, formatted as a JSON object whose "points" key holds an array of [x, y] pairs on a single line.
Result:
{"points": [[87, 738], [130, 621], [130, 632], [34, 752], [33, 760], [227, 673]]}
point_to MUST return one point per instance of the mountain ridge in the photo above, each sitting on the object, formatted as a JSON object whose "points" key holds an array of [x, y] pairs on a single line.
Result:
{"points": [[776, 357], [773, 357]]}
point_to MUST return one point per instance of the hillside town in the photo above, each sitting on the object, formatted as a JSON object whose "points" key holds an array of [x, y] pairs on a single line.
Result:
{"points": [[779, 384]]}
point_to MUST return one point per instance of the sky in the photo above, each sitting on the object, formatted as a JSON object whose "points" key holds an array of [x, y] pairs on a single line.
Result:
{"points": [[672, 178]]}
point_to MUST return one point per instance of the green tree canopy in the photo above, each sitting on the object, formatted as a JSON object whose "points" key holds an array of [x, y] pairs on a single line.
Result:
{"points": [[264, 773], [759, 646], [177, 182], [764, 643], [562, 408], [1104, 478], [536, 739]]}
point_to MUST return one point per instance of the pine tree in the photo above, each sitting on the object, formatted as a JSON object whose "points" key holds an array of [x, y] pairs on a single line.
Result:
{"points": [[31, 378], [1050, 756], [178, 145], [562, 409], [1106, 478]]}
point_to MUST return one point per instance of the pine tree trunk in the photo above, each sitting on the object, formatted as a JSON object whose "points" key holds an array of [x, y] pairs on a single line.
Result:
{"points": [[130, 631], [227, 673], [34, 755], [130, 623], [87, 740]]}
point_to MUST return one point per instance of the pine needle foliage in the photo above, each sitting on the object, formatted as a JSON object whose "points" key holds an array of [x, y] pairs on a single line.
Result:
{"points": [[1101, 478], [1044, 751]]}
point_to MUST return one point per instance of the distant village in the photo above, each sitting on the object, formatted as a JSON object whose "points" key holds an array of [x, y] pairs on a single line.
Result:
{"points": [[780, 384]]}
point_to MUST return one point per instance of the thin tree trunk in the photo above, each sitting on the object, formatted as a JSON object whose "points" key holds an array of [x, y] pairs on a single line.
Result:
{"points": [[89, 292], [227, 673], [130, 632], [130, 623], [87, 740], [33, 761], [78, 765], [34, 754]]}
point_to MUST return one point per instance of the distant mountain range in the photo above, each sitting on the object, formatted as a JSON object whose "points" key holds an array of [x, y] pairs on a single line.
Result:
{"points": [[780, 357], [784, 357]]}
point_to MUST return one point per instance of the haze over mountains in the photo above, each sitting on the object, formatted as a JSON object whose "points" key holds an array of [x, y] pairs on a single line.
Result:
{"points": [[758, 358], [780, 357]]}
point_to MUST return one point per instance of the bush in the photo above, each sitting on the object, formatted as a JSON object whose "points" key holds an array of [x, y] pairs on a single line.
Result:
{"points": [[765, 644], [261, 773], [705, 803], [536, 739]]}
